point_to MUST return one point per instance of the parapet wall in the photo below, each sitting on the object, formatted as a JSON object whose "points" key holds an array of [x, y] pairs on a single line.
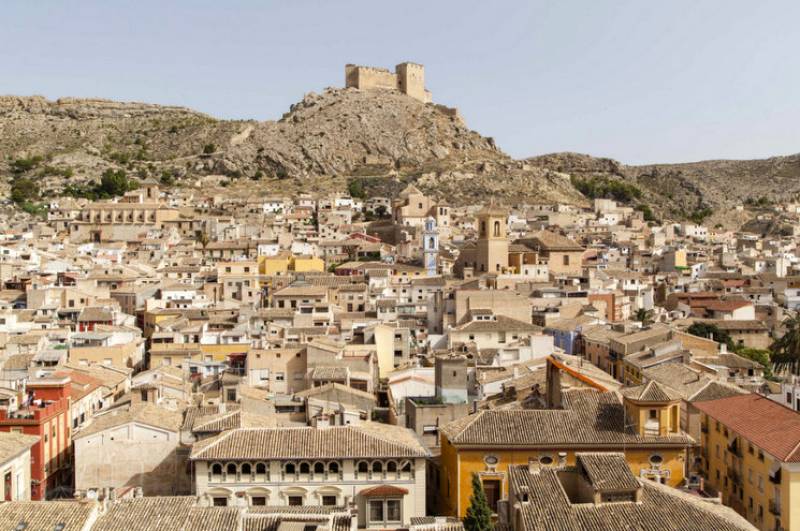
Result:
{"points": [[408, 78]]}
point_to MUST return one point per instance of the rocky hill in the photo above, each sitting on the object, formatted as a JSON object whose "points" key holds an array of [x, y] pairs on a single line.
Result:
{"points": [[382, 138], [707, 190]]}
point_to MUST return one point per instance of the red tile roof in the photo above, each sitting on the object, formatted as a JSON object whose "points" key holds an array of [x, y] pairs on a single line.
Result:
{"points": [[727, 306], [380, 491], [767, 424]]}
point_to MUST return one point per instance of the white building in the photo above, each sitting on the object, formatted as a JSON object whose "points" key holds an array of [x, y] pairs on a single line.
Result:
{"points": [[378, 467], [15, 465]]}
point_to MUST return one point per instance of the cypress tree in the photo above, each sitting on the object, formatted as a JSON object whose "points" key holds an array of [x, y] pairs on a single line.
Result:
{"points": [[479, 515]]}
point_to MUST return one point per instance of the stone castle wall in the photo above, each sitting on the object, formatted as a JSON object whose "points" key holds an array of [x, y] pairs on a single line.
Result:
{"points": [[408, 78]]}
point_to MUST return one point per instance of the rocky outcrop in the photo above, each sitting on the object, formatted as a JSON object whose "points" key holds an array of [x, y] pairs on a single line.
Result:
{"points": [[383, 137]]}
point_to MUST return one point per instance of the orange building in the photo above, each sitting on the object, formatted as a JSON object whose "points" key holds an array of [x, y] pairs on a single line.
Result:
{"points": [[45, 413]]}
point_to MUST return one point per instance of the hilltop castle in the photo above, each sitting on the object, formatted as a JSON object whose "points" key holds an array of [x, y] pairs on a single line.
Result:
{"points": [[408, 78]]}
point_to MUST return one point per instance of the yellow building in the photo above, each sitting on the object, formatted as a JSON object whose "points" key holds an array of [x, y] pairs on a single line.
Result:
{"points": [[173, 354], [489, 442], [155, 317], [750, 449], [284, 263], [307, 264]]}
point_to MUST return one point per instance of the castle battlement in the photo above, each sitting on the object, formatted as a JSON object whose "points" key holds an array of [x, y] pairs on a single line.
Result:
{"points": [[408, 78]]}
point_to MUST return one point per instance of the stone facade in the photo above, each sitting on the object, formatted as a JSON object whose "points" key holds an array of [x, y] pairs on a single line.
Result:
{"points": [[408, 78]]}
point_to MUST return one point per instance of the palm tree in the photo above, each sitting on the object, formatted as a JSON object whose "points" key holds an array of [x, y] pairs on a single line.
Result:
{"points": [[786, 349]]}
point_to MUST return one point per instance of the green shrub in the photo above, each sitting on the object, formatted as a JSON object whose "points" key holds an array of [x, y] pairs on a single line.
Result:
{"points": [[646, 211], [24, 165], [24, 190], [700, 214], [356, 188], [167, 178], [209, 149], [114, 183], [605, 188]]}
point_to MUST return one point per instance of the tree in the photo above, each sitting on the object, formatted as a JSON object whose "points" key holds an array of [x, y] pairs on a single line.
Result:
{"points": [[762, 357], [114, 183], [381, 211], [786, 350], [208, 149], [711, 331], [203, 239], [356, 188], [24, 189], [479, 514], [645, 317]]}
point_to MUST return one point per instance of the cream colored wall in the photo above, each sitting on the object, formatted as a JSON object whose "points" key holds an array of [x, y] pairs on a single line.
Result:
{"points": [[19, 467], [384, 345]]}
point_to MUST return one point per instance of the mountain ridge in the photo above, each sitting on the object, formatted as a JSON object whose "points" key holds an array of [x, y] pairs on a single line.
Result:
{"points": [[327, 139]]}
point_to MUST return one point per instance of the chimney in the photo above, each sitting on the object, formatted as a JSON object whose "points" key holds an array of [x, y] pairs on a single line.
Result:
{"points": [[533, 466]]}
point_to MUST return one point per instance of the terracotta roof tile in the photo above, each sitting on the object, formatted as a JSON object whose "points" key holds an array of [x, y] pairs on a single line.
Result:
{"points": [[767, 424]]}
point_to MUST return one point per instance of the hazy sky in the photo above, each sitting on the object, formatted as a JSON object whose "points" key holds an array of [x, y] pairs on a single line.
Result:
{"points": [[637, 80]]}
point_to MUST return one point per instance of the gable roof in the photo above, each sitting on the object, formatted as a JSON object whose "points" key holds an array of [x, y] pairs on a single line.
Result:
{"points": [[13, 444], [369, 439], [141, 413], [607, 470], [166, 512], [767, 424], [46, 515], [550, 241], [660, 507], [588, 417]]}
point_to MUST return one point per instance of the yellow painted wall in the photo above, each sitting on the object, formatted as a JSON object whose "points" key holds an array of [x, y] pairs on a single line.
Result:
{"points": [[384, 345], [118, 354], [305, 264], [273, 265], [153, 318], [669, 416], [221, 352], [459, 465], [720, 459], [680, 258]]}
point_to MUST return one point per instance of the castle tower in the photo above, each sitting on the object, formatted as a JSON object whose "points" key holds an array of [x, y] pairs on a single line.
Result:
{"points": [[430, 246], [411, 81], [492, 245]]}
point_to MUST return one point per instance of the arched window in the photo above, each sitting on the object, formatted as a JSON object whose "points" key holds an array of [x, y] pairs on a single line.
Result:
{"points": [[406, 466], [289, 468], [246, 469], [497, 229], [363, 467], [305, 468], [231, 469], [377, 466], [431, 243], [261, 468], [391, 466], [483, 229], [319, 468], [333, 467], [216, 469]]}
